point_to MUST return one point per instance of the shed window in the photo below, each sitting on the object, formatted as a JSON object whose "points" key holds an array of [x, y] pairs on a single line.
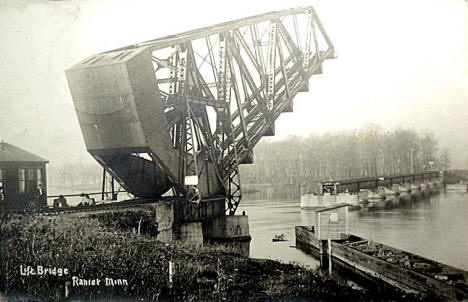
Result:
{"points": [[32, 181], [22, 180], [31, 174], [39, 177]]}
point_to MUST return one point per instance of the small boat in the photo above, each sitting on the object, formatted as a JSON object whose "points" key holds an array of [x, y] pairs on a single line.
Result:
{"points": [[279, 237], [354, 208]]}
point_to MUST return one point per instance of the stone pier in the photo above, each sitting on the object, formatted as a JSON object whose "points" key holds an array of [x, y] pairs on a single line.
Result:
{"points": [[381, 190], [231, 231], [369, 195], [314, 200]]}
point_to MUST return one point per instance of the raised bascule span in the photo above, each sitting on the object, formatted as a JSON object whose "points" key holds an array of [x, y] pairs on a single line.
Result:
{"points": [[182, 112]]}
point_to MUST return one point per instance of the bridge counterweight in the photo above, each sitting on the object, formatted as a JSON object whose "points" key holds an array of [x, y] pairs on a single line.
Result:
{"points": [[197, 102]]}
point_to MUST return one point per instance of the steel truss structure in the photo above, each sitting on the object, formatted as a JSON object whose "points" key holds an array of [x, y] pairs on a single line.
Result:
{"points": [[222, 88]]}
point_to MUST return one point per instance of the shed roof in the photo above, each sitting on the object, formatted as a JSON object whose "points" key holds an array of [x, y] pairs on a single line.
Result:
{"points": [[10, 153]]}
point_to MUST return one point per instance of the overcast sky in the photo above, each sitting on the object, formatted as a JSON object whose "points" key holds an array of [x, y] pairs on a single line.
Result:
{"points": [[401, 63]]}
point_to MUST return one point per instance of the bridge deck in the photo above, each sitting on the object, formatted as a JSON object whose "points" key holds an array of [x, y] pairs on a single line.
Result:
{"points": [[355, 184]]}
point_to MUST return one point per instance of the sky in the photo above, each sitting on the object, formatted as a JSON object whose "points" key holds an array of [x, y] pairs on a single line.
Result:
{"points": [[400, 63]]}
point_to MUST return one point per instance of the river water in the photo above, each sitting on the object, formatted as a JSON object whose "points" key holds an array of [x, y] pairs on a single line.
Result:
{"points": [[434, 226]]}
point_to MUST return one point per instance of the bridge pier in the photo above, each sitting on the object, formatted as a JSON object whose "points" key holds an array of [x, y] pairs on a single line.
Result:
{"points": [[415, 187], [369, 195], [172, 219], [122, 101], [396, 188], [369, 189], [191, 233], [314, 200], [382, 190], [231, 231], [207, 222]]}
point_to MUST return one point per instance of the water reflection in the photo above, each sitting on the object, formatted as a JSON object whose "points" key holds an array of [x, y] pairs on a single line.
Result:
{"points": [[430, 224]]}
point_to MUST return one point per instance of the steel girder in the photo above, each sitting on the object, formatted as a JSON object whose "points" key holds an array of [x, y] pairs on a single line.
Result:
{"points": [[223, 87]]}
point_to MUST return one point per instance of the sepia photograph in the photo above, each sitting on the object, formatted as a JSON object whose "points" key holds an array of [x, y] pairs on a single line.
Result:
{"points": [[302, 150]]}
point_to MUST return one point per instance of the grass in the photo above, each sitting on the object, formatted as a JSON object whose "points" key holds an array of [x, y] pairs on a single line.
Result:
{"points": [[94, 248]]}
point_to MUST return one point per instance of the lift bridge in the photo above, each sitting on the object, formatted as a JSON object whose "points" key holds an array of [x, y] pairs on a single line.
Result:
{"points": [[180, 113]]}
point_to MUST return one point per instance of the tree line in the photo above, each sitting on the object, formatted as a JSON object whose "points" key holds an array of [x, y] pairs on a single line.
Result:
{"points": [[370, 151], [74, 175], [305, 160]]}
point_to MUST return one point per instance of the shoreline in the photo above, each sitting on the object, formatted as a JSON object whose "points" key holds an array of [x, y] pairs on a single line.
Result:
{"points": [[149, 270]]}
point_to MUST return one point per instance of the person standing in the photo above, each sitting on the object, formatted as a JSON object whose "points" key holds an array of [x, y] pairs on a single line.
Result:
{"points": [[62, 201], [84, 200], [2, 196], [90, 201], [39, 195]]}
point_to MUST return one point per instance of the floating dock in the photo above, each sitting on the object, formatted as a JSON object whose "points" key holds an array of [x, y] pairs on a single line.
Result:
{"points": [[404, 270]]}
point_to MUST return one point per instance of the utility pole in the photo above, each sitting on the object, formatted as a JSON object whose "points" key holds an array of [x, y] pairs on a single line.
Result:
{"points": [[411, 159]]}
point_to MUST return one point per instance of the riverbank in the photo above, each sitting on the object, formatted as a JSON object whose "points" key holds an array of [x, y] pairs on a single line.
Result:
{"points": [[84, 249]]}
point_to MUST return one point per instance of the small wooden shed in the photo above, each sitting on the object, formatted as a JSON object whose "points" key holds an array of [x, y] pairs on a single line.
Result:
{"points": [[23, 178], [331, 222]]}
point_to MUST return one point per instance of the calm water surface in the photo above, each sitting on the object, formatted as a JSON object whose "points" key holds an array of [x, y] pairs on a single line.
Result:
{"points": [[433, 226]]}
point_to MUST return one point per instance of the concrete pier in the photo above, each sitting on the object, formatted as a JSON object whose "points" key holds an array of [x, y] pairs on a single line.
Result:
{"points": [[405, 196], [379, 204], [396, 188], [176, 219], [227, 227], [230, 231], [192, 233], [394, 201], [313, 200], [369, 195], [404, 189], [463, 187], [372, 192], [407, 187], [381, 190], [435, 186]]}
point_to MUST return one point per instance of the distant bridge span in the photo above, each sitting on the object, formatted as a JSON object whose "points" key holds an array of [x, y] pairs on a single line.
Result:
{"points": [[182, 112], [356, 184]]}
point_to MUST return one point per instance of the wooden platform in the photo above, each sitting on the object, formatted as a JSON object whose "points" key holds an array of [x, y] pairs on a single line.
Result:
{"points": [[407, 271]]}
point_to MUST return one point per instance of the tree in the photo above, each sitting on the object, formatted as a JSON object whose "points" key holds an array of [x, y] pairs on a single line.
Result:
{"points": [[370, 151], [444, 161]]}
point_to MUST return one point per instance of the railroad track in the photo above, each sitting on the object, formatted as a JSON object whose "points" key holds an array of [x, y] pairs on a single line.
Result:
{"points": [[83, 209], [48, 211]]}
